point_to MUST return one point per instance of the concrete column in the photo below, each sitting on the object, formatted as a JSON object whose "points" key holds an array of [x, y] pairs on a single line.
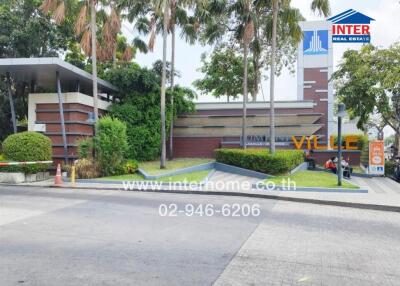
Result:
{"points": [[60, 103]]}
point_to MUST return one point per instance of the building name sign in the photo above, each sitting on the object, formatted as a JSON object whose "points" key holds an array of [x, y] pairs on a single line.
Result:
{"points": [[311, 142]]}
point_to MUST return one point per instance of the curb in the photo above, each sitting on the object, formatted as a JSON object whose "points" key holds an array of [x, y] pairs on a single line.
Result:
{"points": [[311, 189], [387, 208]]}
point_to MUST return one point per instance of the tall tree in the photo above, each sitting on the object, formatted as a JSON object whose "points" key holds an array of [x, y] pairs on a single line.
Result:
{"points": [[26, 32], [86, 25], [223, 73], [367, 81], [323, 7], [233, 19], [150, 22]]}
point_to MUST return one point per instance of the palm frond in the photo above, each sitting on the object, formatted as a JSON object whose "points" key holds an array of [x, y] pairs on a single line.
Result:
{"points": [[140, 45], [48, 6], [115, 21], [108, 34], [86, 42], [82, 20], [152, 40], [128, 54], [59, 13], [322, 6], [143, 25], [248, 32]]}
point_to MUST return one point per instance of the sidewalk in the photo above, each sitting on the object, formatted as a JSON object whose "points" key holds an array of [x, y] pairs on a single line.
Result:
{"points": [[383, 193]]}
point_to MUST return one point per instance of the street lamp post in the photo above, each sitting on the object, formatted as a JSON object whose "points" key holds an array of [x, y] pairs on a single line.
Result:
{"points": [[341, 113]]}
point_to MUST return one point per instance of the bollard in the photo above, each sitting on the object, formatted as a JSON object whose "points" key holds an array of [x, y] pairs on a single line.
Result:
{"points": [[73, 170]]}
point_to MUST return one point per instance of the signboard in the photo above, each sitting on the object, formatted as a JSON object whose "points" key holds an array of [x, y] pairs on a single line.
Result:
{"points": [[315, 42], [351, 26], [377, 157], [39, 128]]}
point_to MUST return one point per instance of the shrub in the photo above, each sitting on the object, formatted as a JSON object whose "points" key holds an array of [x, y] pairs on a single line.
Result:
{"points": [[28, 146], [86, 169], [260, 160], [130, 166], [389, 168], [2, 158], [111, 145], [85, 148]]}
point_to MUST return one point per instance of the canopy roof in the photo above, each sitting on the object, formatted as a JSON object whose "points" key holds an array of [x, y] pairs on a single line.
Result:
{"points": [[42, 71]]}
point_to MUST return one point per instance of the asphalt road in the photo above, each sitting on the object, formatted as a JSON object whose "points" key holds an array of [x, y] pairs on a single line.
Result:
{"points": [[84, 237]]}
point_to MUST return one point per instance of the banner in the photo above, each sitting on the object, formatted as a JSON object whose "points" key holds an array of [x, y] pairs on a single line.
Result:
{"points": [[377, 157]]}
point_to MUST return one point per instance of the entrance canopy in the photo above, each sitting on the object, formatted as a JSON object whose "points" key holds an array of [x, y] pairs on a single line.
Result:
{"points": [[41, 72]]}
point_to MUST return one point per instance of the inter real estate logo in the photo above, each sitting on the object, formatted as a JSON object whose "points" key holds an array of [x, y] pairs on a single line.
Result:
{"points": [[315, 42], [351, 27]]}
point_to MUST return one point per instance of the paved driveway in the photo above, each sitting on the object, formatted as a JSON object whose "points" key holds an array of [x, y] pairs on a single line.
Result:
{"points": [[89, 237]]}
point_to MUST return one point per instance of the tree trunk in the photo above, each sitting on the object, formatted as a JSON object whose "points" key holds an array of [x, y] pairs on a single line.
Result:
{"points": [[171, 128], [256, 64], [256, 76], [272, 80], [163, 79], [93, 28], [245, 93], [397, 144], [12, 108], [114, 57]]}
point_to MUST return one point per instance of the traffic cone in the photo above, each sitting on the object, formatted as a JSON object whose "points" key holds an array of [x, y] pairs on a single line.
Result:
{"points": [[58, 180]]}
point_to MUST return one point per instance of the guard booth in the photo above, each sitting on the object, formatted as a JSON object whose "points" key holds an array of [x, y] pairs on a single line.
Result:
{"points": [[60, 101]]}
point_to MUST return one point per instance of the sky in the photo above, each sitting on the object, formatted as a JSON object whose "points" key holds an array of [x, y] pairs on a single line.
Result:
{"points": [[384, 31]]}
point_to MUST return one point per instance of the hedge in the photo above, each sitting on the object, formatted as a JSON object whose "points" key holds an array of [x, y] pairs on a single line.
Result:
{"points": [[261, 160], [27, 146]]}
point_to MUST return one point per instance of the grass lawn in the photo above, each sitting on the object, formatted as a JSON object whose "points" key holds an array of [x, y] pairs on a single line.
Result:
{"points": [[153, 167], [190, 177], [313, 179]]}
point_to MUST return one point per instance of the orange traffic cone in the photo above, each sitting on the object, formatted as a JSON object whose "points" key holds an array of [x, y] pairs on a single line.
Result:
{"points": [[58, 181]]}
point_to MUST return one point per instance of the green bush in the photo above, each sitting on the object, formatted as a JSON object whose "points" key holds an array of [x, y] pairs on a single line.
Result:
{"points": [[111, 145], [27, 146], [260, 160], [130, 166], [2, 158], [389, 168], [139, 108], [85, 148]]}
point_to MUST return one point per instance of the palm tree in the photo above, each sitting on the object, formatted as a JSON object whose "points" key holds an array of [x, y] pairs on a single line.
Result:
{"points": [[323, 7], [237, 19], [87, 27], [163, 79], [247, 36]]}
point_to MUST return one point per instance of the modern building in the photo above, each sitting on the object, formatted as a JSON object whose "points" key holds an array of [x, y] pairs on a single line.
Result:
{"points": [[59, 89], [217, 125]]}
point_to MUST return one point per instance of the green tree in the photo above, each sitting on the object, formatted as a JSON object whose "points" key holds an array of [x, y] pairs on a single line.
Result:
{"points": [[139, 108], [26, 32], [223, 73], [162, 16], [368, 82]]}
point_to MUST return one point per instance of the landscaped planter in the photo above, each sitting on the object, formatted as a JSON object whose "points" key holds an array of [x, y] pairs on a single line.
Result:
{"points": [[17, 178]]}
